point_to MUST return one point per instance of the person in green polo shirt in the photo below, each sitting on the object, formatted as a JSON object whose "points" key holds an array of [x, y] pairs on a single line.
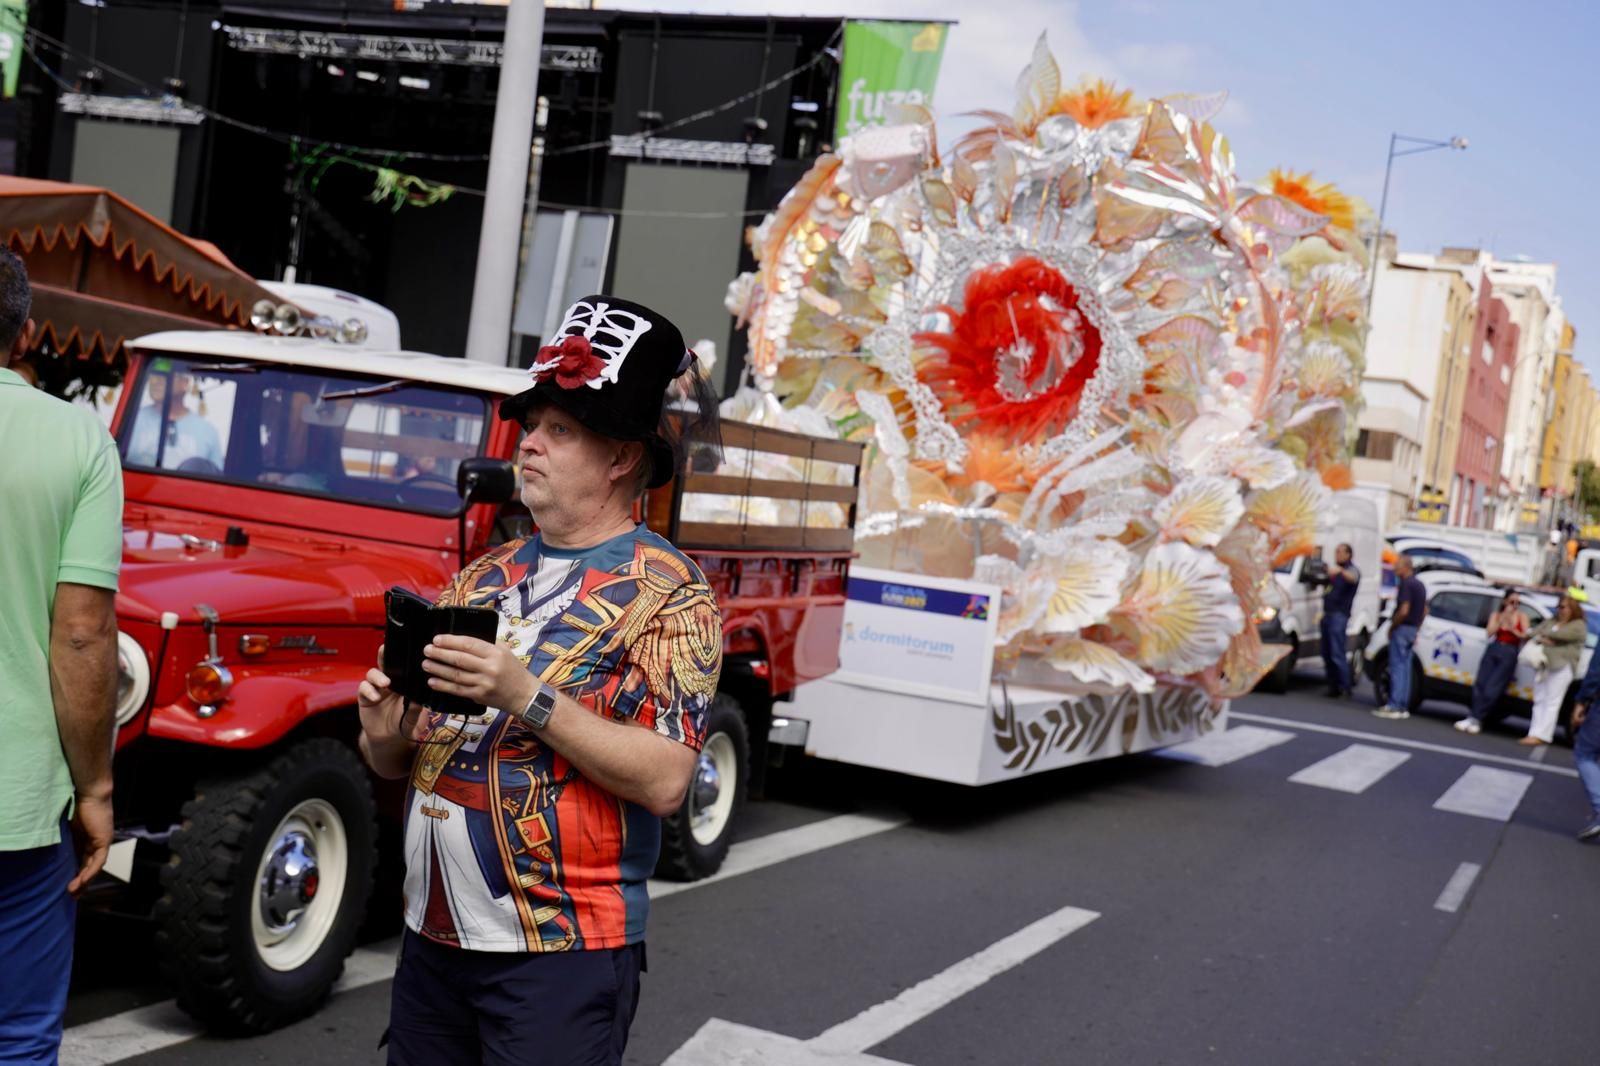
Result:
{"points": [[60, 550]]}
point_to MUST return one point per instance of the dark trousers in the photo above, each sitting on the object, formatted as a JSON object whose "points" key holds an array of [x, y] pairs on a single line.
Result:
{"points": [[36, 926], [1335, 660], [1495, 671], [451, 1006], [1586, 755]]}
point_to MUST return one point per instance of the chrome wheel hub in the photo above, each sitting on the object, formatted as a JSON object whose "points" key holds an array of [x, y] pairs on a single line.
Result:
{"points": [[712, 791], [707, 787], [290, 881], [299, 885]]}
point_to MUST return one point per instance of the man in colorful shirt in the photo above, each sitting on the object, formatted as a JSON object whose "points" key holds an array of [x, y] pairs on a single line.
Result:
{"points": [[531, 830]]}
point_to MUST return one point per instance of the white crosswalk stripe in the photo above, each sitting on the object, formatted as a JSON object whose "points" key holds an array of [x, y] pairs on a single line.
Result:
{"points": [[1354, 770], [1481, 791], [1485, 792], [1222, 748]]}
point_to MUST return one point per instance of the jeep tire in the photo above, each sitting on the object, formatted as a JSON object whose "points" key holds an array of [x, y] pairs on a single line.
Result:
{"points": [[266, 886], [695, 838]]}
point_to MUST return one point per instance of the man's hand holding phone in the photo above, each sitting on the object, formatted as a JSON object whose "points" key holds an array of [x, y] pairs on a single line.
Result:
{"points": [[388, 725]]}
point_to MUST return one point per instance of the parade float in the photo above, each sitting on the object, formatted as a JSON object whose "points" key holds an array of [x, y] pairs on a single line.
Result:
{"points": [[1107, 387]]}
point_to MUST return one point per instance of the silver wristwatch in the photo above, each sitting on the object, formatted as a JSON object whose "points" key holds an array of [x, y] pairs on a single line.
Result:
{"points": [[539, 707]]}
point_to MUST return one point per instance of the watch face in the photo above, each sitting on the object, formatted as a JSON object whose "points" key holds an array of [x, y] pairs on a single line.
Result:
{"points": [[540, 707]]}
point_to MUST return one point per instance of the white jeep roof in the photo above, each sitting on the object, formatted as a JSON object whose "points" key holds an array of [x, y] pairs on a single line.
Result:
{"points": [[330, 355]]}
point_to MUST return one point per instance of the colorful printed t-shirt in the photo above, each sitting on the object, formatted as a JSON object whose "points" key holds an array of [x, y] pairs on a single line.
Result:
{"points": [[508, 847]]}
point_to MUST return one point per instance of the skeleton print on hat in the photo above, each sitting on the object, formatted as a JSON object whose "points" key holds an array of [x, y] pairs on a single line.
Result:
{"points": [[611, 332]]}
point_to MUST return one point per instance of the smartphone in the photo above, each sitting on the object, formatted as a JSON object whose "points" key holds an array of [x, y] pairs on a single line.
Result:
{"points": [[411, 622]]}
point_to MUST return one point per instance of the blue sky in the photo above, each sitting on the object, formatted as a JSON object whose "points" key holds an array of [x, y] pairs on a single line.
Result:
{"points": [[1321, 87]]}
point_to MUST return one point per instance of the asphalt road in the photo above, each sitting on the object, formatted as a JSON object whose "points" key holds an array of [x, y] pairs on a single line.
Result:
{"points": [[1148, 909]]}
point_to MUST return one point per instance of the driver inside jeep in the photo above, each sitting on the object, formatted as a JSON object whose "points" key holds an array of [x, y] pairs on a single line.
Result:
{"points": [[191, 442]]}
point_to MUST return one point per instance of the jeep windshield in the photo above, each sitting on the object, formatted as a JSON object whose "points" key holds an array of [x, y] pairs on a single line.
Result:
{"points": [[303, 430]]}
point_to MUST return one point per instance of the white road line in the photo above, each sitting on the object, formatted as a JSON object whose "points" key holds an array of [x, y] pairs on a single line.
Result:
{"points": [[1485, 792], [877, 1024], [1538, 754], [782, 846], [160, 1025], [721, 1043], [1399, 742], [125, 1035], [728, 1044], [1222, 748], [1354, 770], [1456, 889]]}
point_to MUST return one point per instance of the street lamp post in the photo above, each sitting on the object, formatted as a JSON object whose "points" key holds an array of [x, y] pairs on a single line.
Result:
{"points": [[510, 148], [1416, 145]]}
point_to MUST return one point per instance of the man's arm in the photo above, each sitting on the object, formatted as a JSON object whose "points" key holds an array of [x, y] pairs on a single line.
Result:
{"points": [[83, 650], [1591, 683], [626, 758], [643, 756], [1586, 692], [83, 687]]}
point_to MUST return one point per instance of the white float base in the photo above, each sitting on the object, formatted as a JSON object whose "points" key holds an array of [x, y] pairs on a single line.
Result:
{"points": [[1022, 731]]}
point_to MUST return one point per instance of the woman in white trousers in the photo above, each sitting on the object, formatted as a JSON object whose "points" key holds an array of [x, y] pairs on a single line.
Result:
{"points": [[1549, 687], [1562, 639]]}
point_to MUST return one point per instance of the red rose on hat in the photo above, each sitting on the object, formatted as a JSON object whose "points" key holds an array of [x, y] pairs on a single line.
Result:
{"points": [[571, 363]]}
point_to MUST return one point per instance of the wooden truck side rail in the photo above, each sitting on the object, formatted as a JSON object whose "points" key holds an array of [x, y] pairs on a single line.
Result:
{"points": [[664, 508], [781, 583]]}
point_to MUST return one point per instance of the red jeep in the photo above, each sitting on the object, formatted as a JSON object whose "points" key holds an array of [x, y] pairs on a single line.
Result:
{"points": [[276, 486]]}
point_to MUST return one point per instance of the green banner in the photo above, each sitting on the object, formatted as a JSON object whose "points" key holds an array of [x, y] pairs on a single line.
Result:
{"points": [[13, 17], [886, 63]]}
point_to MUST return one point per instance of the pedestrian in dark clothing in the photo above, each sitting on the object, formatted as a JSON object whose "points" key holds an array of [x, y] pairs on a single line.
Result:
{"points": [[1586, 745], [1507, 629], [1343, 577], [1410, 608]]}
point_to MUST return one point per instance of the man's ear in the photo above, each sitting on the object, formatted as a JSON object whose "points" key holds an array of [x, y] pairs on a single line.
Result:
{"points": [[630, 454], [24, 342]]}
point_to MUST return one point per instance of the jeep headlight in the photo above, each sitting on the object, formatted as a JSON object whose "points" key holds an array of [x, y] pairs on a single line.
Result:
{"points": [[1265, 613], [133, 678]]}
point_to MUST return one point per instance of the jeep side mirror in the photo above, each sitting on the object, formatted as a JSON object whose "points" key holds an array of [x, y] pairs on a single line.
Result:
{"points": [[484, 480]]}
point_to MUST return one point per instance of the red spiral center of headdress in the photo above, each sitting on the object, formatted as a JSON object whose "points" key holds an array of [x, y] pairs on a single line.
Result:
{"points": [[1018, 353]]}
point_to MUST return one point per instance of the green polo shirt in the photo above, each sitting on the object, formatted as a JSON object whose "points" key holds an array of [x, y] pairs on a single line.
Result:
{"points": [[60, 521]]}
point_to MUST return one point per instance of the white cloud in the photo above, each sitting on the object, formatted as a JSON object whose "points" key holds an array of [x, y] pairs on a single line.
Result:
{"points": [[1234, 115], [1161, 65]]}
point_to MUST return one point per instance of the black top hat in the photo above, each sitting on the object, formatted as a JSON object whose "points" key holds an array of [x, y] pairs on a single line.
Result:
{"points": [[610, 366]]}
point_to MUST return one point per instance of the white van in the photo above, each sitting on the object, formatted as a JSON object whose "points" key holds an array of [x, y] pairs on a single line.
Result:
{"points": [[1586, 575], [1298, 622]]}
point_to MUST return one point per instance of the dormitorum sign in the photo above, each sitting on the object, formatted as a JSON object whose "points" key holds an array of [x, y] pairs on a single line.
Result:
{"points": [[886, 63]]}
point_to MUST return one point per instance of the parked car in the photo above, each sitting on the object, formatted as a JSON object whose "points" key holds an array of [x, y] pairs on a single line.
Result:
{"points": [[1451, 642]]}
